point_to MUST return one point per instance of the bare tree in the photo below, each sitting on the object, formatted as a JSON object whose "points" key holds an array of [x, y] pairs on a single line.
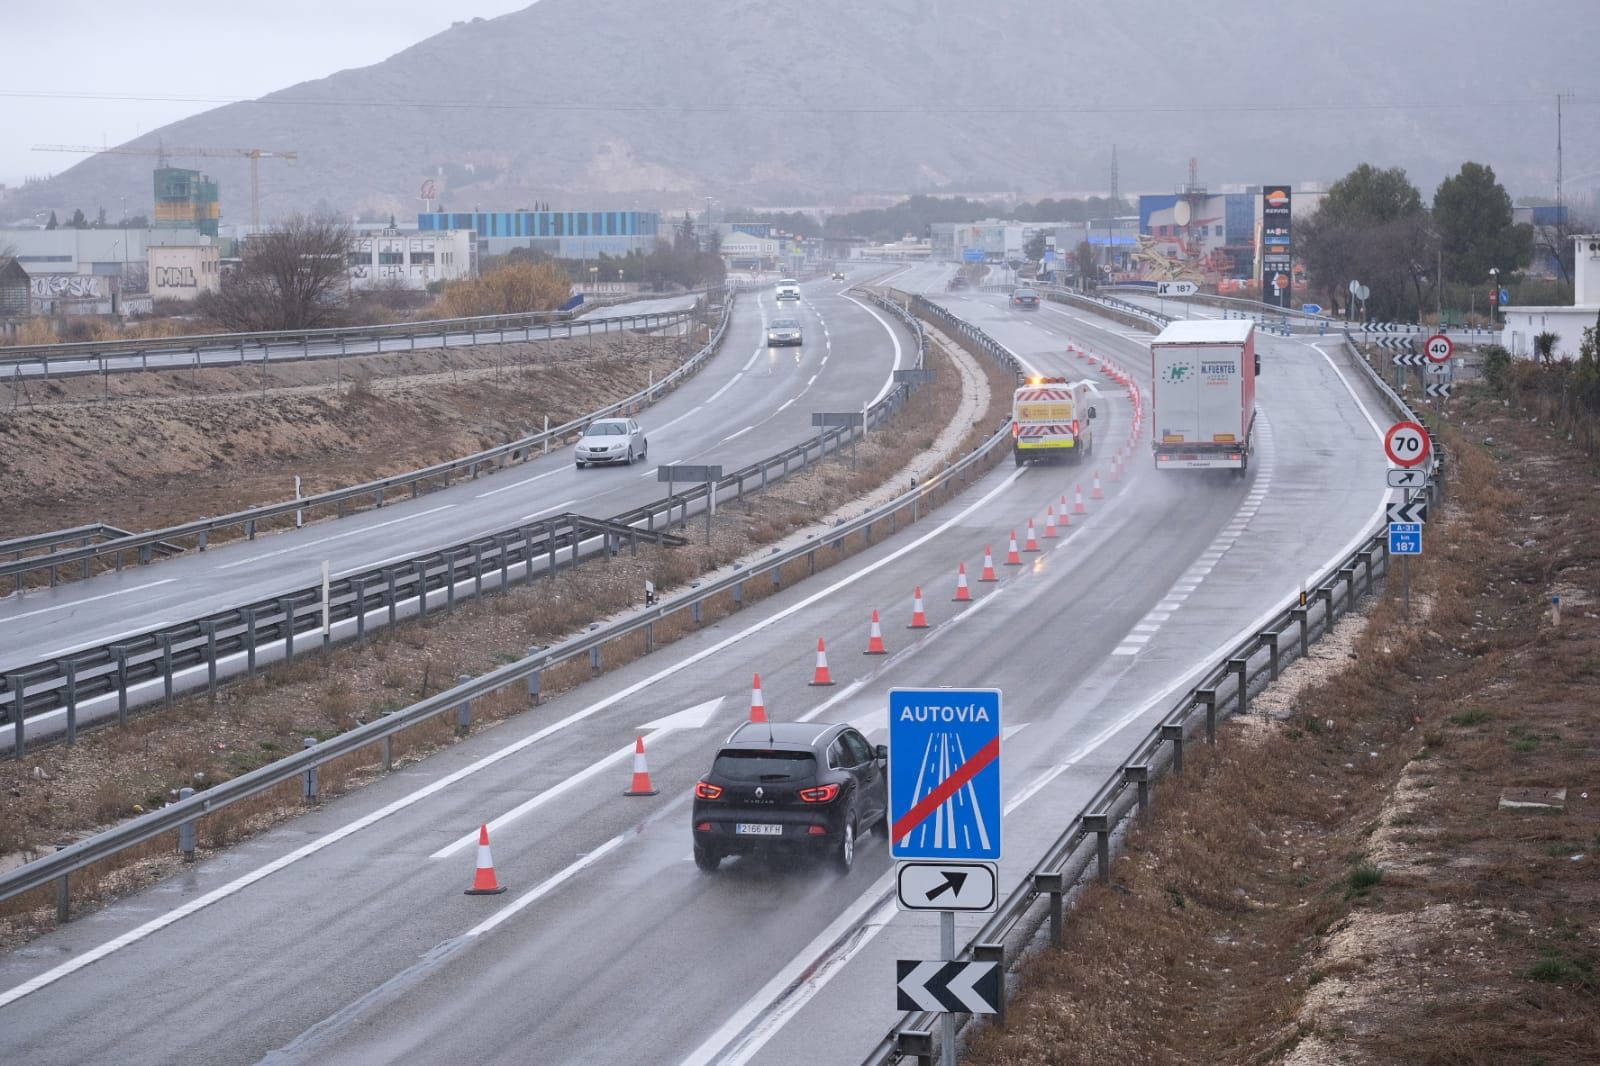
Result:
{"points": [[293, 277]]}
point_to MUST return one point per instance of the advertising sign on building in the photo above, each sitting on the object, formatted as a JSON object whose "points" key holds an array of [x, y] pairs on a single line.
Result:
{"points": [[1277, 258]]}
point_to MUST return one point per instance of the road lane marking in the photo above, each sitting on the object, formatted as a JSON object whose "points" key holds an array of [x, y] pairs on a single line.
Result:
{"points": [[337, 536], [550, 884], [740, 433], [86, 599], [518, 484], [547, 510]]}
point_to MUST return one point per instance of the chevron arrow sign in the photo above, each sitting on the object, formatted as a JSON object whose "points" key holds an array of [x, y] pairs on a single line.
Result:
{"points": [[1410, 359], [956, 987], [1395, 343], [1414, 511], [1439, 389]]}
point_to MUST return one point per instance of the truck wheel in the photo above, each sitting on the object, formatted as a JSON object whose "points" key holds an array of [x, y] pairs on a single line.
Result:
{"points": [[1016, 456]]}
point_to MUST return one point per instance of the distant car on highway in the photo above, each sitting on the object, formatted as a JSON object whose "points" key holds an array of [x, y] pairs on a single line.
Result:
{"points": [[1025, 299], [837, 275], [958, 282], [788, 289], [790, 787], [782, 332], [611, 440]]}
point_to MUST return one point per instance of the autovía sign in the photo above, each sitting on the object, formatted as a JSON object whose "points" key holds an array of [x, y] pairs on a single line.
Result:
{"points": [[944, 773]]}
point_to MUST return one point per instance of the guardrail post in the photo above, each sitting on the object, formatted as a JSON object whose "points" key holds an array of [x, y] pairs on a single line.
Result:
{"points": [[120, 651], [695, 608], [463, 712], [916, 1043], [19, 692], [166, 667], [595, 665], [649, 637], [1173, 731], [1100, 826], [1302, 616], [1207, 698], [738, 595], [1365, 555], [1138, 774], [1269, 640], [550, 543], [312, 796], [534, 680], [994, 953], [63, 895], [1240, 668], [186, 830], [286, 608], [210, 630], [477, 570], [1054, 886], [249, 534], [1349, 575], [1325, 594], [777, 577], [449, 583]]}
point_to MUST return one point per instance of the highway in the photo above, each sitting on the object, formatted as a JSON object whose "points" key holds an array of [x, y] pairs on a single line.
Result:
{"points": [[749, 401], [344, 935]]}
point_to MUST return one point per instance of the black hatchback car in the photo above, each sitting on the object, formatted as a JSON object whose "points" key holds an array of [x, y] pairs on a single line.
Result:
{"points": [[791, 786]]}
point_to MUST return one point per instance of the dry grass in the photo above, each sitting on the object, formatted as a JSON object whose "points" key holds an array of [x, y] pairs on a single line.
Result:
{"points": [[1352, 894], [199, 741]]}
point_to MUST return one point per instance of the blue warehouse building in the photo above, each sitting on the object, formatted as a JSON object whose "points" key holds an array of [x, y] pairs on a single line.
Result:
{"points": [[564, 234]]}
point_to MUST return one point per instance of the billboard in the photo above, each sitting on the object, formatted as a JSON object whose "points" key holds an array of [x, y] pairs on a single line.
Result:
{"points": [[1277, 257]]}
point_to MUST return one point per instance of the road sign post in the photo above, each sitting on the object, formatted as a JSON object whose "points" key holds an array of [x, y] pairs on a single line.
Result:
{"points": [[1406, 444], [681, 472], [945, 810], [846, 419]]}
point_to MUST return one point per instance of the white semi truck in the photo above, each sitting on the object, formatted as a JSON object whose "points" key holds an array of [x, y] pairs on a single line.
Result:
{"points": [[1203, 402]]}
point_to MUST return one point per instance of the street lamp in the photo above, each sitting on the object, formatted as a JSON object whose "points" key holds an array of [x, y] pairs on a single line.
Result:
{"points": [[1494, 294]]}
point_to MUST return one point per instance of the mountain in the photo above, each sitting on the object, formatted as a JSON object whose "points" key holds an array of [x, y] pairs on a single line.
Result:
{"points": [[611, 103]]}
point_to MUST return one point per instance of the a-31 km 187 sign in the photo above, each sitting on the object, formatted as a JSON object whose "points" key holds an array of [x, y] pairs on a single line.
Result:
{"points": [[944, 773], [1406, 444]]}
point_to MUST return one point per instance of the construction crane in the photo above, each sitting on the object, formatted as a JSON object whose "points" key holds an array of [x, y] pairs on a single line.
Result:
{"points": [[161, 152]]}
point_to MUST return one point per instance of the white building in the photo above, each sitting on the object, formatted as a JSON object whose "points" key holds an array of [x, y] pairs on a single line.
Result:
{"points": [[184, 271], [411, 260], [90, 271], [1523, 324]]}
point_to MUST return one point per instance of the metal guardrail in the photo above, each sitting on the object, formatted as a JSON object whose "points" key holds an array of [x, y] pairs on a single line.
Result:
{"points": [[488, 327], [200, 530], [1088, 837], [57, 867], [163, 654], [82, 536]]}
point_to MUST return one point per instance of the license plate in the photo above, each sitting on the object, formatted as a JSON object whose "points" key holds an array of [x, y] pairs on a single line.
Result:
{"points": [[758, 829]]}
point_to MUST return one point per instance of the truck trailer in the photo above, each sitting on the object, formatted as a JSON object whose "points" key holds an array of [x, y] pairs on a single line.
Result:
{"points": [[1203, 402]]}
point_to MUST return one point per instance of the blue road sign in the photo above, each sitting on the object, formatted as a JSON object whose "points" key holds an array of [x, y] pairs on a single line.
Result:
{"points": [[1405, 538], [972, 255], [944, 773], [1311, 309]]}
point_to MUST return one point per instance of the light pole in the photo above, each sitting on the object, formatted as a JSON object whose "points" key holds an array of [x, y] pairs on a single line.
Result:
{"points": [[1494, 295]]}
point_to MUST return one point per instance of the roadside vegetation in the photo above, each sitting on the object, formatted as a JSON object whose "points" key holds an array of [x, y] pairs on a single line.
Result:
{"points": [[1339, 880]]}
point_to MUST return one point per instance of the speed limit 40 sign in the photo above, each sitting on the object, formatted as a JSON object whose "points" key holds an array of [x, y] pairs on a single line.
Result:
{"points": [[1439, 348], [1406, 444]]}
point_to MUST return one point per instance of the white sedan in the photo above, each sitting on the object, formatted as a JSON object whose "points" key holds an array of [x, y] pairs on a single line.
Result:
{"points": [[611, 440]]}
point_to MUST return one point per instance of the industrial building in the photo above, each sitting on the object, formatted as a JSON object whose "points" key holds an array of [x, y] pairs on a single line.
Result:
{"points": [[563, 234], [391, 259], [91, 271], [187, 200], [184, 271]]}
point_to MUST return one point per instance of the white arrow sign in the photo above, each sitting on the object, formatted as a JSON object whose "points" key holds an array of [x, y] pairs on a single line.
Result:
{"points": [[937, 885], [954, 987], [1176, 288], [1415, 511], [1406, 479]]}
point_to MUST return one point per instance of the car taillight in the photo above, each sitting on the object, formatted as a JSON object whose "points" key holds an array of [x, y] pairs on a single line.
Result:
{"points": [[707, 791], [818, 830], [703, 827], [820, 794], [1016, 429]]}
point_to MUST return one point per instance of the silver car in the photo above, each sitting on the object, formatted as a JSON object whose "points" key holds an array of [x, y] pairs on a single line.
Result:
{"points": [[611, 440], [783, 331]]}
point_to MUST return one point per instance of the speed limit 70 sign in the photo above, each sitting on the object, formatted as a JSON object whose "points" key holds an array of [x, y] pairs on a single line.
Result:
{"points": [[1439, 348], [1406, 444]]}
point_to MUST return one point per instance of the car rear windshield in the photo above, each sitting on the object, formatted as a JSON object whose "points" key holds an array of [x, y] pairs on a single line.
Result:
{"points": [[785, 323], [765, 766], [607, 429]]}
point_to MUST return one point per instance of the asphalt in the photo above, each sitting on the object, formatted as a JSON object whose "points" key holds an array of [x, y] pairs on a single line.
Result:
{"points": [[357, 944]]}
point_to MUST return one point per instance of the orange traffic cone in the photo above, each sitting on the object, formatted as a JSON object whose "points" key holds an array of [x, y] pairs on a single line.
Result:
{"points": [[987, 574], [822, 676], [919, 620], [1032, 543], [1050, 522], [875, 638], [484, 884], [1095, 492], [758, 705], [1012, 556], [1116, 466], [963, 593], [641, 774], [1066, 512], [1077, 500]]}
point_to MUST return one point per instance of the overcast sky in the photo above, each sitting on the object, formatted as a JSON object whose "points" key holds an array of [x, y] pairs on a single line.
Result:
{"points": [[73, 69]]}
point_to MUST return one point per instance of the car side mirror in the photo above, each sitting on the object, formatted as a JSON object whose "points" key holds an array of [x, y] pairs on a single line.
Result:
{"points": [[1258, 366], [881, 751], [1091, 414]]}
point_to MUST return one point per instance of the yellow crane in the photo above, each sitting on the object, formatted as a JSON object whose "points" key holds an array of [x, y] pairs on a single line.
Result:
{"points": [[161, 152]]}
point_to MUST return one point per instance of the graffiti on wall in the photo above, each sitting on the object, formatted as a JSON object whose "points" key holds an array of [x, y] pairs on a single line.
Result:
{"points": [[176, 278], [68, 285]]}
